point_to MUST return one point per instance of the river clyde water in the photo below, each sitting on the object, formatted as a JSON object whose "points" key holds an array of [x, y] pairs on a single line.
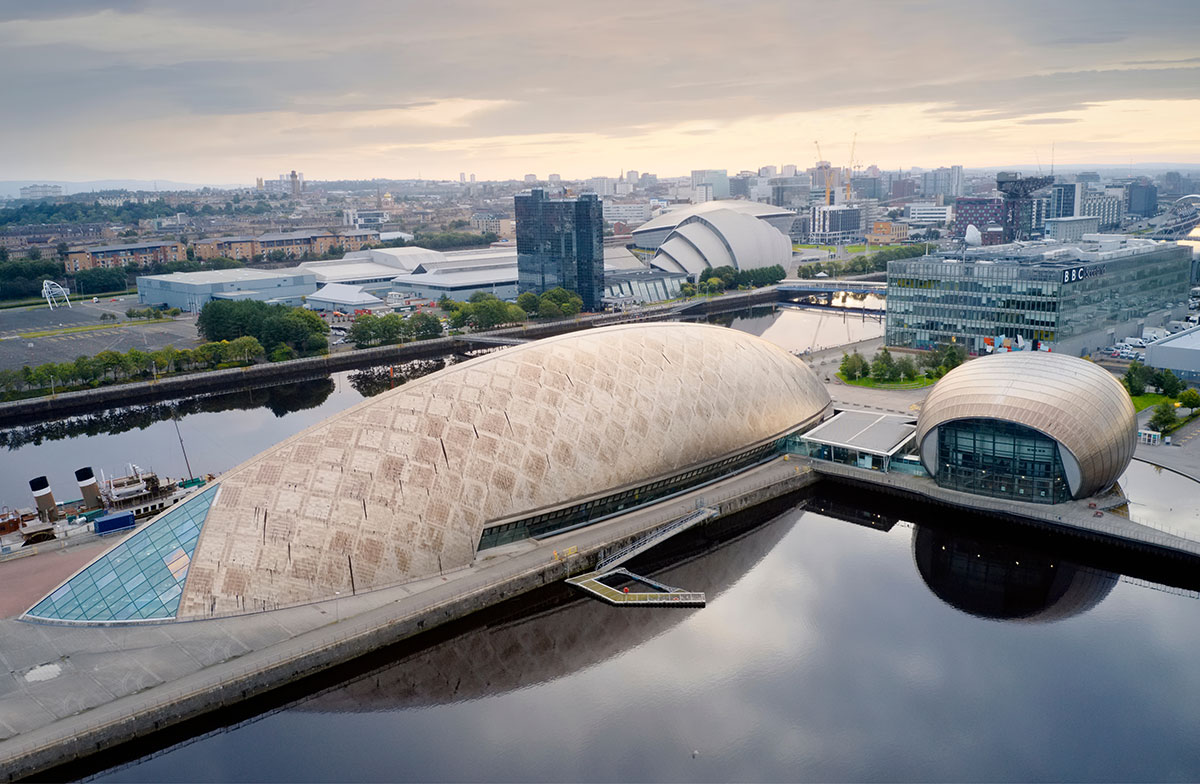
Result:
{"points": [[829, 650]]}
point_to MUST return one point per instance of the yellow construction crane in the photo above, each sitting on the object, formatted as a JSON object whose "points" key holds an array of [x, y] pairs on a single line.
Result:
{"points": [[850, 169], [828, 174]]}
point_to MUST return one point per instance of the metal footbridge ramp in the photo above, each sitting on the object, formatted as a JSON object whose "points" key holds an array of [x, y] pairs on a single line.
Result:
{"points": [[597, 583]]}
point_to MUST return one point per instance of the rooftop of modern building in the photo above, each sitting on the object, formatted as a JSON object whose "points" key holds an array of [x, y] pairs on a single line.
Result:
{"points": [[238, 274], [865, 431], [1187, 339], [1091, 248], [214, 240], [293, 235], [674, 217], [492, 274], [133, 246], [342, 294]]}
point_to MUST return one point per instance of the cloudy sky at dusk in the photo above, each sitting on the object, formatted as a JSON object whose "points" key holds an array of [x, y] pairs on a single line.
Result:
{"points": [[222, 91]]}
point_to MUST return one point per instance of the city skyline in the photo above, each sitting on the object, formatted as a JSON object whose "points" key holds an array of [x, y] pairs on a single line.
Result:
{"points": [[221, 93]]}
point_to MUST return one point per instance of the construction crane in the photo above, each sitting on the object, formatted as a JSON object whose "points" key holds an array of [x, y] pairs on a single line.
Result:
{"points": [[828, 174], [850, 169]]}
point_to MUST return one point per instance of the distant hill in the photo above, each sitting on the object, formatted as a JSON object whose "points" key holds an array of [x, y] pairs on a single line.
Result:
{"points": [[12, 188]]}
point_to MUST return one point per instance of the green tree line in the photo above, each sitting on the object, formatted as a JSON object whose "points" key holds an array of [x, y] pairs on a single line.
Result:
{"points": [[285, 331], [863, 264], [371, 330], [109, 367], [885, 369]]}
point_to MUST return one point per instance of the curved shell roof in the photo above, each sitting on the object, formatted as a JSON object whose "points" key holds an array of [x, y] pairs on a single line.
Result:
{"points": [[673, 218], [1077, 403], [722, 238], [403, 484]]}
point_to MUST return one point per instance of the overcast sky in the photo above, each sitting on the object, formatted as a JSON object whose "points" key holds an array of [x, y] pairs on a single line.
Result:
{"points": [[222, 91]]}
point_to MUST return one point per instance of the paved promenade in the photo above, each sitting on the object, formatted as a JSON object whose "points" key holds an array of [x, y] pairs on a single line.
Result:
{"points": [[68, 691], [1077, 516]]}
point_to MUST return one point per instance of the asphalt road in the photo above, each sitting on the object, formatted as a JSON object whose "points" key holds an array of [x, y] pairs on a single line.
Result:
{"points": [[16, 351]]}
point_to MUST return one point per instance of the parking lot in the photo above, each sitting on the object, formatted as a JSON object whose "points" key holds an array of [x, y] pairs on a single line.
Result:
{"points": [[16, 351]]}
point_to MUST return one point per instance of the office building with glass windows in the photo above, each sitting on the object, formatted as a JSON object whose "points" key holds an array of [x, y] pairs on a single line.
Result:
{"points": [[560, 242], [1071, 298], [1031, 426]]}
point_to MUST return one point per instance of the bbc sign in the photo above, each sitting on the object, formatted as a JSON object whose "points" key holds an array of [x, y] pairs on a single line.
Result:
{"points": [[1079, 273]]}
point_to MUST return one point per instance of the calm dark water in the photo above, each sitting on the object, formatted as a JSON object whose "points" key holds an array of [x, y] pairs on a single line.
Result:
{"points": [[829, 651], [911, 650]]}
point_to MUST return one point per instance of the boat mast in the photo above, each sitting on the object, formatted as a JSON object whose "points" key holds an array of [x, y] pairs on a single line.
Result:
{"points": [[175, 419]]}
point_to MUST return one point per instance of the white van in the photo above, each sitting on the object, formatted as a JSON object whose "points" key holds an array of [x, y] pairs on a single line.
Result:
{"points": [[1193, 319], [1136, 342]]}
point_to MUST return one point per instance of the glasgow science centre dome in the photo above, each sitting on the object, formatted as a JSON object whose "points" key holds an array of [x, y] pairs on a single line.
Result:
{"points": [[1032, 426], [521, 443]]}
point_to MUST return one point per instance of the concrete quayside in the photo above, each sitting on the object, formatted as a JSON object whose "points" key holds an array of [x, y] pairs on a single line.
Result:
{"points": [[74, 692]]}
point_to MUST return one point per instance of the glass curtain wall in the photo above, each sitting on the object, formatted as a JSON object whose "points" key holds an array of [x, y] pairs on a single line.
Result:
{"points": [[1001, 459]]}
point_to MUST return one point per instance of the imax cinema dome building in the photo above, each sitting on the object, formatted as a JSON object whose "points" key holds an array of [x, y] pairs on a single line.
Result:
{"points": [[1033, 426], [522, 443]]}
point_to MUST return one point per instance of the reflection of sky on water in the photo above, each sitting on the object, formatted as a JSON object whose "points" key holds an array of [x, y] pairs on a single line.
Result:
{"points": [[829, 660], [215, 442], [798, 330], [1162, 498]]}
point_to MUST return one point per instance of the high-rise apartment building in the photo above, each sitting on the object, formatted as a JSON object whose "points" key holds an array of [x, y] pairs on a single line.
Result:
{"points": [[41, 191], [717, 178], [1066, 200], [1143, 199], [977, 211], [560, 242], [835, 224], [946, 181], [1107, 208]]}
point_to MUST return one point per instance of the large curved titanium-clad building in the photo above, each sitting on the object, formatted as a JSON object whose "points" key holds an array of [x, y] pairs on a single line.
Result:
{"points": [[722, 238], [525, 442], [1034, 426], [650, 235]]}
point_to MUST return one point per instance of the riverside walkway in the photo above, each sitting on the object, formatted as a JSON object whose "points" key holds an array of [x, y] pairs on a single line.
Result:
{"points": [[68, 692], [1093, 518]]}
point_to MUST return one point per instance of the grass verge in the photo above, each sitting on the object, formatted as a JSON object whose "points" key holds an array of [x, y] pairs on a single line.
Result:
{"points": [[920, 382]]}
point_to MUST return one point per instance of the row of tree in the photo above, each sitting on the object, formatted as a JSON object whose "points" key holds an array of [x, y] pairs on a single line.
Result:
{"points": [[134, 365], [555, 303], [1163, 418], [481, 311], [862, 264], [885, 369], [371, 330], [23, 279], [1137, 377], [277, 326], [722, 278]]}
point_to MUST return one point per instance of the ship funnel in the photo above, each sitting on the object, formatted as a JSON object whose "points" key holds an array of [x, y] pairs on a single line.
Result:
{"points": [[46, 508], [88, 487]]}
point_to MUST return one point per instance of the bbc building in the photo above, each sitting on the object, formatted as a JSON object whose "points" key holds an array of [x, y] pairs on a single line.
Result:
{"points": [[1071, 298]]}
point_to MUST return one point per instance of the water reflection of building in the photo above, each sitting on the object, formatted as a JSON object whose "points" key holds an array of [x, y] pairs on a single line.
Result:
{"points": [[1003, 581], [544, 645], [280, 399]]}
